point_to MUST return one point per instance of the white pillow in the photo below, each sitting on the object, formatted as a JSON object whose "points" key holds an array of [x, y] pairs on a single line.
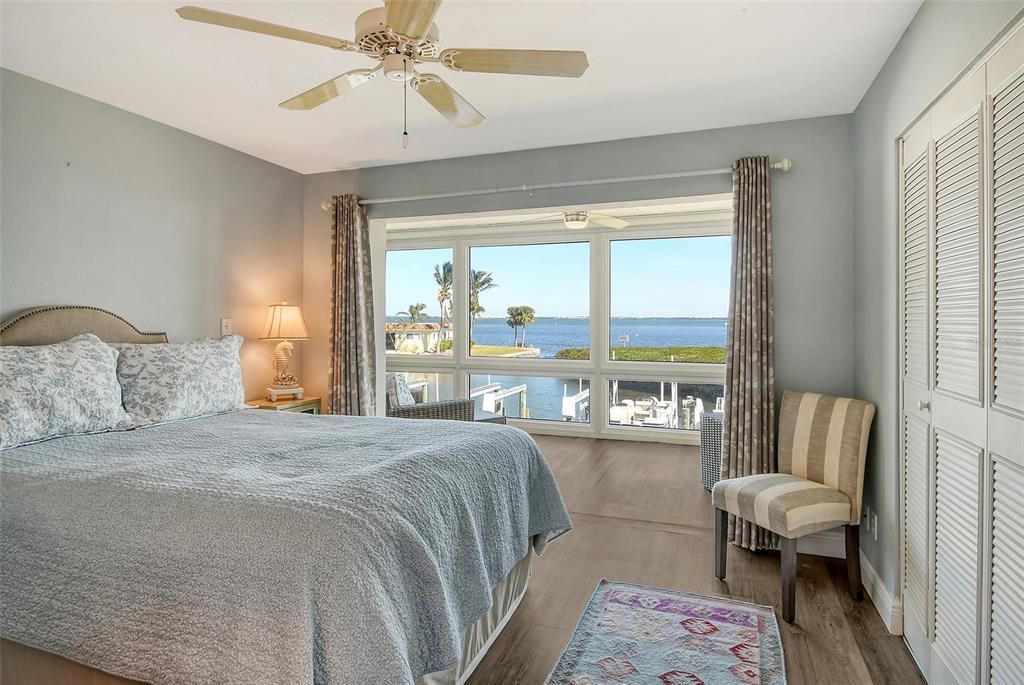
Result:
{"points": [[48, 391], [397, 388], [169, 381]]}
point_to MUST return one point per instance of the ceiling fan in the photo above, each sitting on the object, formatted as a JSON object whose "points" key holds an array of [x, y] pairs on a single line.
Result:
{"points": [[578, 219], [400, 36]]}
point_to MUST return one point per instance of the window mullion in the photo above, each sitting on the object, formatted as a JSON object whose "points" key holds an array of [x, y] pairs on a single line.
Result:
{"points": [[460, 311]]}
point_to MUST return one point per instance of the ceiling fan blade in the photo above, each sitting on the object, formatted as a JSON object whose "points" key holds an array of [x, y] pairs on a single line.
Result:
{"points": [[411, 18], [609, 221], [445, 100], [314, 97], [568, 63], [232, 21]]}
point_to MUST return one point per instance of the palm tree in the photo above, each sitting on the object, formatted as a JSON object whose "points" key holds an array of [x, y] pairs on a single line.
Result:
{"points": [[443, 277], [526, 317], [479, 281], [416, 312], [513, 320]]}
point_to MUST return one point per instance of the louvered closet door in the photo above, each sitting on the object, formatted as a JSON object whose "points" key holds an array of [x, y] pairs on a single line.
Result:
{"points": [[1006, 330], [916, 214], [916, 269], [1007, 667], [958, 259], [958, 413], [1008, 246], [962, 381], [957, 556], [917, 534]]}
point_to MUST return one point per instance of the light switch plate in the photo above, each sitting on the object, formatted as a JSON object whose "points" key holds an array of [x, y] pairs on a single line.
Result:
{"points": [[226, 327]]}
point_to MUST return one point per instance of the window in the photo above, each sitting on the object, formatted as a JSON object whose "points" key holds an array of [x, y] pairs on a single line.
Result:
{"points": [[585, 332], [660, 404], [540, 398], [670, 299], [530, 301], [419, 295], [427, 386]]}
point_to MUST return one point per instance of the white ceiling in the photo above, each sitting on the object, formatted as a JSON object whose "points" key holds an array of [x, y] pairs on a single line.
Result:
{"points": [[655, 67]]}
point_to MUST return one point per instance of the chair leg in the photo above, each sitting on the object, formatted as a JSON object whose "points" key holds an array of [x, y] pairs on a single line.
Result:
{"points": [[721, 544], [853, 562], [788, 579]]}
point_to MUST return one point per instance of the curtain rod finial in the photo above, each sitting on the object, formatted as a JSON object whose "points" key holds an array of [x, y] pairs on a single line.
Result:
{"points": [[784, 164], [327, 205]]}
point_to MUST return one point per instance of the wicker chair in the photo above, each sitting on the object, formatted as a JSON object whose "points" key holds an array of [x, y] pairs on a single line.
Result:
{"points": [[452, 410]]}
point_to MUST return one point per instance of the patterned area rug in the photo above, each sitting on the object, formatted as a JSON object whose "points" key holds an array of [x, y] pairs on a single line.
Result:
{"points": [[632, 634]]}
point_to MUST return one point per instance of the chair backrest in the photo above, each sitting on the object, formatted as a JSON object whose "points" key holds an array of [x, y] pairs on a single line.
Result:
{"points": [[825, 439]]}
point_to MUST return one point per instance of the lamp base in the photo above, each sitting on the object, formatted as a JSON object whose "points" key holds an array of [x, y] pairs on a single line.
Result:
{"points": [[276, 391]]}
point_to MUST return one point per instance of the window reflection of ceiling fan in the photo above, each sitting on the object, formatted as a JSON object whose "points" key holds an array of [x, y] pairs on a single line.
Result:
{"points": [[399, 36], [578, 219]]}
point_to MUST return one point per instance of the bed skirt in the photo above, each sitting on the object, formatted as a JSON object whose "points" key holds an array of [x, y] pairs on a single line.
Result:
{"points": [[21, 665]]}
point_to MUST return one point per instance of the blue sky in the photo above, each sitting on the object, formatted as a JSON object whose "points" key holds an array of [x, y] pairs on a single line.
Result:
{"points": [[650, 278]]}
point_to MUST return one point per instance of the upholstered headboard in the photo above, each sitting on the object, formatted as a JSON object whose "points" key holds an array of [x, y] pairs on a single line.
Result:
{"points": [[48, 325]]}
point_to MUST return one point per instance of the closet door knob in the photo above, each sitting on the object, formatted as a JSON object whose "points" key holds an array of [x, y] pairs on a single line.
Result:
{"points": [[923, 405]]}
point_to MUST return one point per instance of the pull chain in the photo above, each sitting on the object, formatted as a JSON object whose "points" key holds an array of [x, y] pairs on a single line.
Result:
{"points": [[405, 106]]}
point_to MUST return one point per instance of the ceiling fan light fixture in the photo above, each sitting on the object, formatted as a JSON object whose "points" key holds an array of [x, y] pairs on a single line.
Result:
{"points": [[576, 220], [397, 68]]}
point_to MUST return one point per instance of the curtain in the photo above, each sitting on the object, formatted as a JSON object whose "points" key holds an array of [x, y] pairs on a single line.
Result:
{"points": [[748, 445], [352, 378]]}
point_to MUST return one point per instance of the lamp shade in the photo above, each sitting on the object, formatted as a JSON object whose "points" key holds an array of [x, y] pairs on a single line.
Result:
{"points": [[284, 322]]}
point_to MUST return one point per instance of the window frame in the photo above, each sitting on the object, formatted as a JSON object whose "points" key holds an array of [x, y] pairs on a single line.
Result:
{"points": [[599, 370]]}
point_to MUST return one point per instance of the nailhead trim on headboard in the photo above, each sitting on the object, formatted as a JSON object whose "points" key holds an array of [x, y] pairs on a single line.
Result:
{"points": [[18, 318]]}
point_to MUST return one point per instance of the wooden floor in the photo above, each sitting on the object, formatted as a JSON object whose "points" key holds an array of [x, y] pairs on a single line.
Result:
{"points": [[640, 515]]}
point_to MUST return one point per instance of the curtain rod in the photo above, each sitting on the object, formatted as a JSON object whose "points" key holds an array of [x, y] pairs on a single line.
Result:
{"points": [[782, 165]]}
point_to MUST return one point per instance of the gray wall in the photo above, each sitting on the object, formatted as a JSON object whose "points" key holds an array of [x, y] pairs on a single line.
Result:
{"points": [[943, 39], [811, 209], [106, 208]]}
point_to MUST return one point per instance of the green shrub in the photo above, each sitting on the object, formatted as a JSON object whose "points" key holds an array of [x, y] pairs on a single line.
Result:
{"points": [[445, 346], [702, 355]]}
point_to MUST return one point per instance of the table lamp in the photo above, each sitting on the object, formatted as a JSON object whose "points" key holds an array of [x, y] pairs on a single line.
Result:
{"points": [[284, 324]]}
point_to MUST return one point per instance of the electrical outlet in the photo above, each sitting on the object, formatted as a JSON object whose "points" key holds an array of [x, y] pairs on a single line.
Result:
{"points": [[226, 326], [874, 525]]}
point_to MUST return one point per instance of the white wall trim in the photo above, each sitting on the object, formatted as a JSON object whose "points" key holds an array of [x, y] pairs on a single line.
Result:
{"points": [[889, 608], [832, 543], [827, 543]]}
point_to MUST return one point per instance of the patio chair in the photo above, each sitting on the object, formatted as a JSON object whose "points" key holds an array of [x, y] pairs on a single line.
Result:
{"points": [[401, 403]]}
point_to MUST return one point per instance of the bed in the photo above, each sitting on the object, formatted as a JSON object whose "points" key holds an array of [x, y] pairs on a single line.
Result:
{"points": [[260, 546]]}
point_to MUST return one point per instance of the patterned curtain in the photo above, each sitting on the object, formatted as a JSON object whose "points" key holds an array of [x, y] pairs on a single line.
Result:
{"points": [[352, 377], [748, 444]]}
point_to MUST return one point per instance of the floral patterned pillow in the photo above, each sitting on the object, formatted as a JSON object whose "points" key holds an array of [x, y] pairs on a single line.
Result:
{"points": [[397, 388], [169, 381], [48, 391]]}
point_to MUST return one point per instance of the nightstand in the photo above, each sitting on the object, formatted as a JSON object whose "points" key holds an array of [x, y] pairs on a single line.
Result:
{"points": [[307, 405]]}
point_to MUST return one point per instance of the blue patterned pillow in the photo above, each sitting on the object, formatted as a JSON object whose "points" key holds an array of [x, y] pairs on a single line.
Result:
{"points": [[170, 381], [398, 391], [48, 391]]}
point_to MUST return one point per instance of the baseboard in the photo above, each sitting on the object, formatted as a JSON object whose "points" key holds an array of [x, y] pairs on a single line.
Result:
{"points": [[889, 608], [828, 543]]}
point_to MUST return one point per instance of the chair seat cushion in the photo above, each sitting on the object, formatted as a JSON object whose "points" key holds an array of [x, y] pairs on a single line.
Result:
{"points": [[787, 505]]}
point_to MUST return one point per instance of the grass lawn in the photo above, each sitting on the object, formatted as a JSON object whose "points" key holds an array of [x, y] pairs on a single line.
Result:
{"points": [[503, 351], [702, 355]]}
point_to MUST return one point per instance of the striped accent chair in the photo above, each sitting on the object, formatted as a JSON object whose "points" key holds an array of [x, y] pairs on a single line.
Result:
{"points": [[822, 446]]}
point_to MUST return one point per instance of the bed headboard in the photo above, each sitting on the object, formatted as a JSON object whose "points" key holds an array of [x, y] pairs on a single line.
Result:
{"points": [[48, 325]]}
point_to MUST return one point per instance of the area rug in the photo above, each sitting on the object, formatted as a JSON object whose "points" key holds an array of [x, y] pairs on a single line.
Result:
{"points": [[634, 634]]}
